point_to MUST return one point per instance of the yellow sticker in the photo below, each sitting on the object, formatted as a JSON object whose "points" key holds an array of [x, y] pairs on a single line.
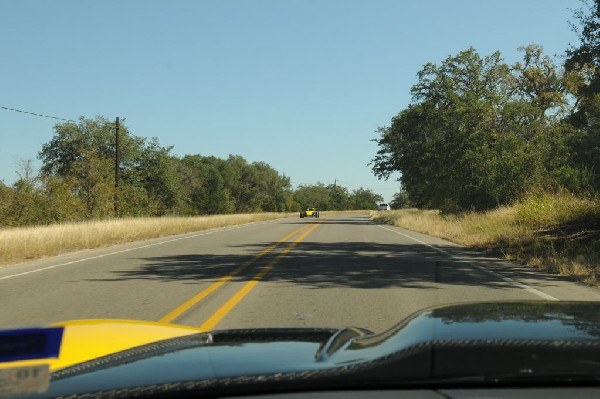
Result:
{"points": [[24, 380]]}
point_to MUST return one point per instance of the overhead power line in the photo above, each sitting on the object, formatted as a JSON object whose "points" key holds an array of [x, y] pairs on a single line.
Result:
{"points": [[35, 114]]}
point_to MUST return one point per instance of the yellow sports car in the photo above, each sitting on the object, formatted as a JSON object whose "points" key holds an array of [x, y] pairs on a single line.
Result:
{"points": [[310, 212]]}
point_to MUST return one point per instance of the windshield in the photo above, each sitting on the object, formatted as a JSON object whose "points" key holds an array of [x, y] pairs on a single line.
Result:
{"points": [[154, 164]]}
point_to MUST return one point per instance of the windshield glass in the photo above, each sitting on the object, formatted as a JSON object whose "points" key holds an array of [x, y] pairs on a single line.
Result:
{"points": [[154, 163]]}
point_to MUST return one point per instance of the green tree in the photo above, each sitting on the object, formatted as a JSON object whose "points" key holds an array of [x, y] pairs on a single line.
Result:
{"points": [[206, 180], [479, 133], [76, 180], [587, 52], [339, 197], [286, 196], [22, 207], [401, 200], [60, 203], [233, 185], [316, 195], [71, 141], [84, 153], [363, 198], [156, 171], [538, 81], [584, 59]]}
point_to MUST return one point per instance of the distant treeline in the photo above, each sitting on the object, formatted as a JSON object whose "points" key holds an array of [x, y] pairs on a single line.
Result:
{"points": [[77, 182], [480, 133]]}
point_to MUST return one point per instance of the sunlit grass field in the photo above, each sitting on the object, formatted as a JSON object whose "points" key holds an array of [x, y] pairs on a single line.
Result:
{"points": [[557, 233], [27, 243]]}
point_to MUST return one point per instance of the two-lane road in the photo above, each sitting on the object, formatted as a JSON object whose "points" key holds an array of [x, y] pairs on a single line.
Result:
{"points": [[339, 270]]}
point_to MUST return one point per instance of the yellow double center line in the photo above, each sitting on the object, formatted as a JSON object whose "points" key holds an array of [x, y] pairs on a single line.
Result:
{"points": [[238, 296]]}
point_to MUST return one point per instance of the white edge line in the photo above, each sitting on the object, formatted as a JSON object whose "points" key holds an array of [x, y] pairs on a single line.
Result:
{"points": [[204, 233], [497, 275]]}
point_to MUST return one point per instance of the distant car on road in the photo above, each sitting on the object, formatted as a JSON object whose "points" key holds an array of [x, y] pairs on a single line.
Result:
{"points": [[383, 207], [309, 212]]}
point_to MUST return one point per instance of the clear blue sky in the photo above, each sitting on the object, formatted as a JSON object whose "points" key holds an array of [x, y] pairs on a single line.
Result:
{"points": [[301, 85]]}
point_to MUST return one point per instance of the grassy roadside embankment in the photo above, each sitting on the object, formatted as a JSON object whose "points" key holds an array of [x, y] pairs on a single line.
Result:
{"points": [[557, 233], [27, 243]]}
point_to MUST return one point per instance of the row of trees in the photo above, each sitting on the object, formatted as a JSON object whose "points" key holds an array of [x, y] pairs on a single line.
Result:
{"points": [[76, 182], [480, 133], [335, 197]]}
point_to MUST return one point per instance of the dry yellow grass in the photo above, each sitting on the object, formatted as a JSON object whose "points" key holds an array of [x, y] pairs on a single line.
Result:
{"points": [[468, 229], [554, 232], [26, 243]]}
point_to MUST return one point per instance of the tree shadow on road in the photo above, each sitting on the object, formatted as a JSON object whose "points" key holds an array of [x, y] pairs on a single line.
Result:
{"points": [[367, 265]]}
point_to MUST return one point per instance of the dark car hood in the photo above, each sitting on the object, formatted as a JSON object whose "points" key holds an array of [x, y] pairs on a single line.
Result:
{"points": [[480, 342]]}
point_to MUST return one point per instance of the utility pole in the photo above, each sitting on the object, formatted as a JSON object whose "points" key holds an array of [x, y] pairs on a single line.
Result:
{"points": [[335, 195], [117, 162]]}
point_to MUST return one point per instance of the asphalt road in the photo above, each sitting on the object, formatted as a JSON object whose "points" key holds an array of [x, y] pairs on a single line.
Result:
{"points": [[336, 271]]}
